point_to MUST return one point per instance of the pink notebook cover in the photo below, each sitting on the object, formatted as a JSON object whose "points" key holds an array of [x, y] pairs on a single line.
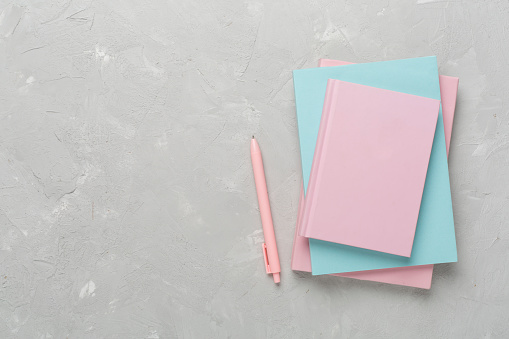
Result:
{"points": [[366, 185], [414, 276]]}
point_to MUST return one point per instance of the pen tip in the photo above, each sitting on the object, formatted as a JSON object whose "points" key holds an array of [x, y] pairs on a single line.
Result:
{"points": [[253, 136]]}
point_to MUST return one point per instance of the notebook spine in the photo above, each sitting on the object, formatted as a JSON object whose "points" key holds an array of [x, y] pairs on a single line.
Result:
{"points": [[329, 100]]}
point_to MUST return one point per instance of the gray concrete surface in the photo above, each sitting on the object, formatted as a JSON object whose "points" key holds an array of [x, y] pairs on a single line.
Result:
{"points": [[127, 204]]}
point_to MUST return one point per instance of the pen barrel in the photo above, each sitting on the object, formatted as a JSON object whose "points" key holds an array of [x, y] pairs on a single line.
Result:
{"points": [[266, 215]]}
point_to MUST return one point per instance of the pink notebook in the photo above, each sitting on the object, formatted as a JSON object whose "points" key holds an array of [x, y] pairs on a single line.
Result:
{"points": [[414, 276], [366, 185]]}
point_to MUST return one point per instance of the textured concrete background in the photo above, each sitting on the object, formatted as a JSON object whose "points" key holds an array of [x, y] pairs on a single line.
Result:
{"points": [[127, 204]]}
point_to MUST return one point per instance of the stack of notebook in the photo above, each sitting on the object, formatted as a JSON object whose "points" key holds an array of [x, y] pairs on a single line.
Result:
{"points": [[375, 202]]}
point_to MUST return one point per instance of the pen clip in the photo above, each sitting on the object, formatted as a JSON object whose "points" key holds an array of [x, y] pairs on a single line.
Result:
{"points": [[266, 258]]}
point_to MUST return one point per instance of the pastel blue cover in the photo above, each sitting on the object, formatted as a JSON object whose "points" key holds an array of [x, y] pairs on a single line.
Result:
{"points": [[435, 240]]}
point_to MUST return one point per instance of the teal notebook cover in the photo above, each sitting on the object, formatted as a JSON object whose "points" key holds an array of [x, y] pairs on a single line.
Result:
{"points": [[435, 240]]}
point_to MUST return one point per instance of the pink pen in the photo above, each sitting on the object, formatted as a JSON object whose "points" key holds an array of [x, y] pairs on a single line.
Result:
{"points": [[269, 247]]}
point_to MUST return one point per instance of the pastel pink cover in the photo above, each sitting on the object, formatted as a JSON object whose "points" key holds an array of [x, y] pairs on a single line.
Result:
{"points": [[448, 85], [366, 185], [413, 276]]}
